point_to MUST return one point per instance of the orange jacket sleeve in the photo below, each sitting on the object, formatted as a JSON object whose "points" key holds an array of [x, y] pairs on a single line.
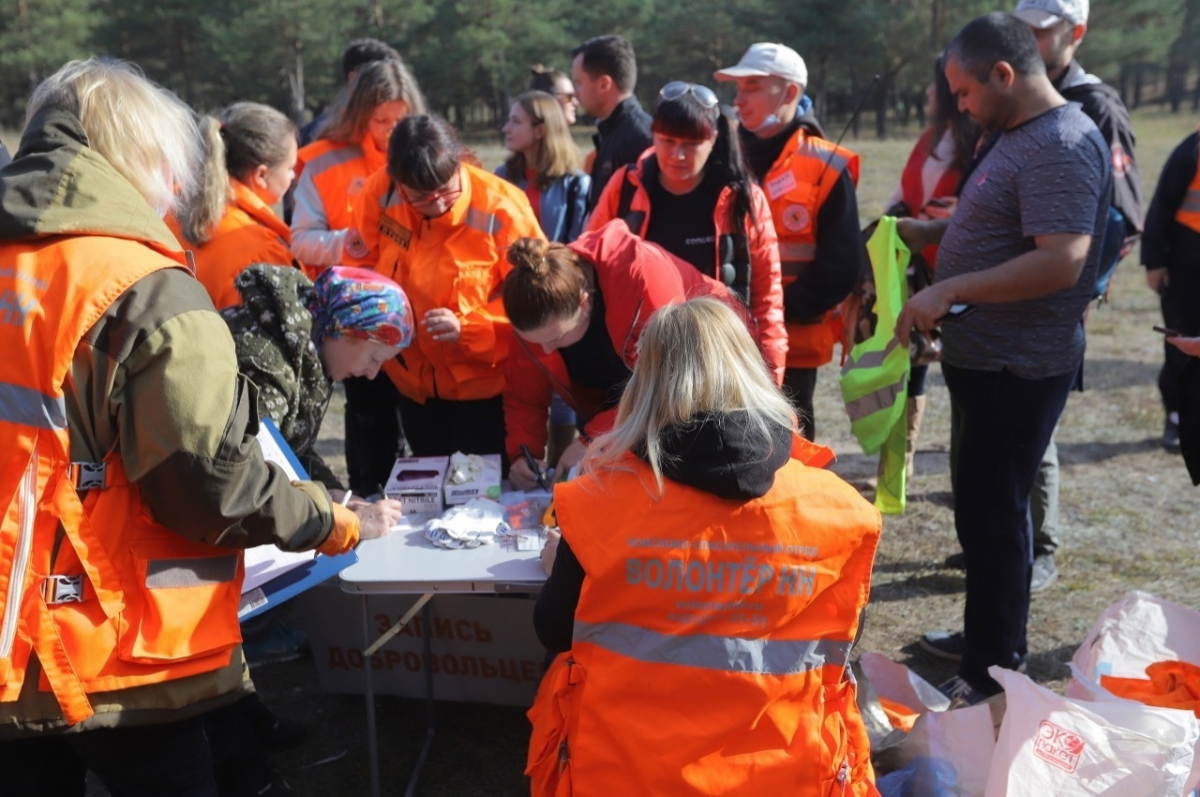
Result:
{"points": [[486, 332], [610, 198], [527, 392], [766, 290]]}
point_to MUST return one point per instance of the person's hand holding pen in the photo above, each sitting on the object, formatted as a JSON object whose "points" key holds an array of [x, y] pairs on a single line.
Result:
{"points": [[375, 518], [525, 472]]}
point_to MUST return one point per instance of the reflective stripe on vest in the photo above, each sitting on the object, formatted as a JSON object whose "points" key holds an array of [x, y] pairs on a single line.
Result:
{"points": [[872, 359], [194, 572], [794, 256], [337, 157], [727, 654], [1188, 213], [881, 399], [29, 407], [837, 162], [483, 221]]}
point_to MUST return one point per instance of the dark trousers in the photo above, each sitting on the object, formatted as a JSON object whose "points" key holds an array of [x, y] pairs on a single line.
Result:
{"points": [[170, 760], [439, 427], [1004, 425], [1181, 312], [374, 436], [799, 385]]}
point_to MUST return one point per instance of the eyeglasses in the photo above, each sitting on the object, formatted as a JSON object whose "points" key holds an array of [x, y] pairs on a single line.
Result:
{"points": [[435, 196], [569, 96], [676, 89]]}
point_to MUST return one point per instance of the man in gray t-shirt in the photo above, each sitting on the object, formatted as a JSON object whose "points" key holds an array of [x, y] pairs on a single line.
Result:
{"points": [[1020, 252]]}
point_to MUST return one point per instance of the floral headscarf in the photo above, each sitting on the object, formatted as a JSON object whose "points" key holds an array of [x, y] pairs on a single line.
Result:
{"points": [[358, 303]]}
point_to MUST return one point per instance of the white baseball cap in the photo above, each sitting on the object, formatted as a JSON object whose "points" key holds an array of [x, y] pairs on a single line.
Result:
{"points": [[1042, 14], [767, 59]]}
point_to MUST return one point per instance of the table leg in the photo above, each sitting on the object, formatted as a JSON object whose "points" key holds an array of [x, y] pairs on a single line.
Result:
{"points": [[430, 703], [372, 742]]}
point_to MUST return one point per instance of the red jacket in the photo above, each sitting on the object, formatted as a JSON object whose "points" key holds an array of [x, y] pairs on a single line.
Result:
{"points": [[766, 287], [913, 191], [635, 278]]}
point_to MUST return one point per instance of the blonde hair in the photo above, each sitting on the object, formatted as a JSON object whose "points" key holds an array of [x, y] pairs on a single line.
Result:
{"points": [[144, 131], [557, 156], [374, 84], [245, 136], [695, 359]]}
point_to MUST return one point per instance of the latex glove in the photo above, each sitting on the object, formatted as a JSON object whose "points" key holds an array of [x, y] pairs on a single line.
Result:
{"points": [[376, 519]]}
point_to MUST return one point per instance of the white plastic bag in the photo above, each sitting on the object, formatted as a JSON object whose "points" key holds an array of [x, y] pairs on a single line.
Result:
{"points": [[1054, 745], [1133, 633]]}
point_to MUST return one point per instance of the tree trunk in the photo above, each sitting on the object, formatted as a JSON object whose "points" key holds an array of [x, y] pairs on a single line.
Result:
{"points": [[295, 77], [883, 102]]}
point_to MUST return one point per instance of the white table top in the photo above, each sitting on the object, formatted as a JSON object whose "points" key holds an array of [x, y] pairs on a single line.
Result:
{"points": [[405, 562]]}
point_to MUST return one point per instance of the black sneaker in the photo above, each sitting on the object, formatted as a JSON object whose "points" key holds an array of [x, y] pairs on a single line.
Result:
{"points": [[1045, 572], [961, 693], [956, 561], [1170, 438], [943, 644]]}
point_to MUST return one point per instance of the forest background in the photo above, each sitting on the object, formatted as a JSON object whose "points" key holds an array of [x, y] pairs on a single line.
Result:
{"points": [[471, 56]]}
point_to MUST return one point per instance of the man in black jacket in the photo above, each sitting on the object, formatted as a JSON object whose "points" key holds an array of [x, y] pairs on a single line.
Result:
{"points": [[605, 73]]}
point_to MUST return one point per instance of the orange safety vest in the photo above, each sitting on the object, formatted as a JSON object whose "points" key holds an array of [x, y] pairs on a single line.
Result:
{"points": [[1189, 210], [248, 233], [711, 642], [339, 171], [457, 261], [105, 597], [796, 187]]}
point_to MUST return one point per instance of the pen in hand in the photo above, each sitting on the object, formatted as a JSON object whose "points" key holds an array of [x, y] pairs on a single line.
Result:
{"points": [[532, 462], [346, 497]]}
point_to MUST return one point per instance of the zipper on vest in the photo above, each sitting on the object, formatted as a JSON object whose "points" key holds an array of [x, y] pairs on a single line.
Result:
{"points": [[26, 509]]}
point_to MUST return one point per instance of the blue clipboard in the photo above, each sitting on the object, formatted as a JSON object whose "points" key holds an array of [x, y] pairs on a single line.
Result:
{"points": [[290, 584]]}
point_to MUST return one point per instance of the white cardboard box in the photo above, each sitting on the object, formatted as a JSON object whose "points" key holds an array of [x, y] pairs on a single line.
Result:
{"points": [[416, 482], [486, 485], [484, 647]]}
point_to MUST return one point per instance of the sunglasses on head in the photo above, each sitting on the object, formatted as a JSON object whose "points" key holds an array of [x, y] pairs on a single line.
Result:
{"points": [[676, 89]]}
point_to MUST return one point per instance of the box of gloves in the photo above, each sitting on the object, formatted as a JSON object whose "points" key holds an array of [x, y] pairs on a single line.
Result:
{"points": [[472, 476], [416, 482]]}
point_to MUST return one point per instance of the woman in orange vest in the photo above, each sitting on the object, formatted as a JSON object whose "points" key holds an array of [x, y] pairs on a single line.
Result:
{"points": [[333, 170], [706, 589], [350, 148], [440, 227], [928, 189], [692, 196], [249, 164]]}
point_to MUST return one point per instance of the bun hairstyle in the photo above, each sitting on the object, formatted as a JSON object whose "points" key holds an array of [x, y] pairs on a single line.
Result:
{"points": [[546, 283]]}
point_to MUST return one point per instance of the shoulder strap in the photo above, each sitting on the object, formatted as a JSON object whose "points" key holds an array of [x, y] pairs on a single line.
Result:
{"points": [[628, 189]]}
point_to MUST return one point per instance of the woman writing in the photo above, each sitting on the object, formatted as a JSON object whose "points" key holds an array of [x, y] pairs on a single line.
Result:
{"points": [[545, 164], [578, 312], [250, 162], [439, 228], [692, 196], [742, 688]]}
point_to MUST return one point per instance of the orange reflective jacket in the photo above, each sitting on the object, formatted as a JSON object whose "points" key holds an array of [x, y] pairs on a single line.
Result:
{"points": [[1189, 210], [105, 597], [796, 187], [456, 260], [249, 233], [711, 642], [329, 177]]}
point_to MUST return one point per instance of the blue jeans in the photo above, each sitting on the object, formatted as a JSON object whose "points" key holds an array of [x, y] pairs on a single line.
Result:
{"points": [[1004, 425]]}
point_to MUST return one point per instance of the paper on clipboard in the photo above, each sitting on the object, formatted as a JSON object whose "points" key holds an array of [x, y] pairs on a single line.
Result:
{"points": [[265, 562]]}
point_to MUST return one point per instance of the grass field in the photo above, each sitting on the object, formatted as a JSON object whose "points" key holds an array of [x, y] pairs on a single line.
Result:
{"points": [[1129, 516]]}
